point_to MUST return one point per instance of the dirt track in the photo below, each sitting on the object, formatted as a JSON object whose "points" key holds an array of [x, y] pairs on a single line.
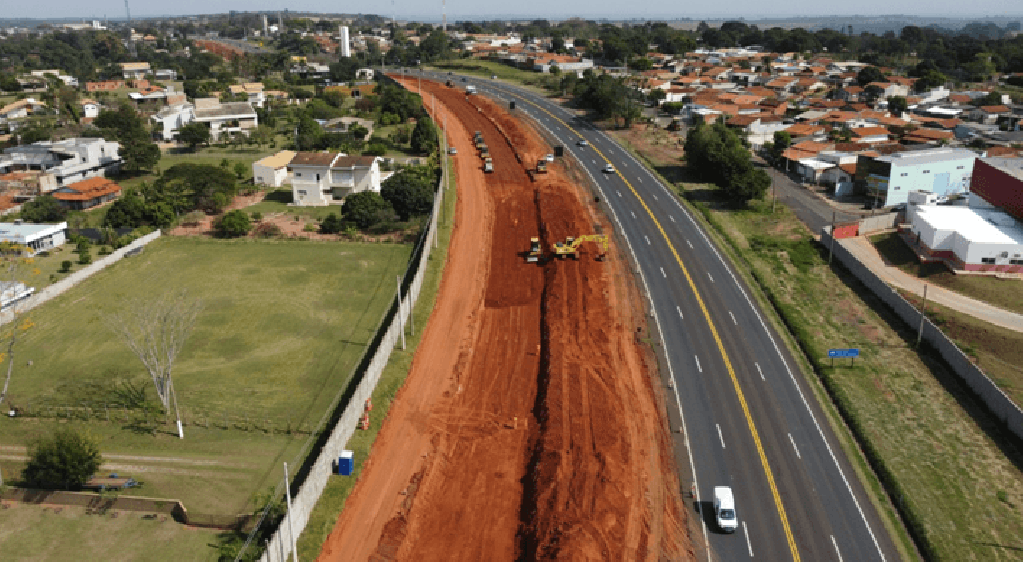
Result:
{"points": [[528, 427]]}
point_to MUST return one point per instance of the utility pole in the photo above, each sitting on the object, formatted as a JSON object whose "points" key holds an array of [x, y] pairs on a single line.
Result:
{"points": [[401, 321], [831, 246], [923, 311], [774, 194], [291, 528]]}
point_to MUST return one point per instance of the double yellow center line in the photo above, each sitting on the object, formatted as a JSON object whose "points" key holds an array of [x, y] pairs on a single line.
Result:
{"points": [[717, 339]]}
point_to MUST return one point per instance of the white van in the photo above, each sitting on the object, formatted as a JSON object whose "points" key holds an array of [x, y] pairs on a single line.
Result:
{"points": [[724, 509]]}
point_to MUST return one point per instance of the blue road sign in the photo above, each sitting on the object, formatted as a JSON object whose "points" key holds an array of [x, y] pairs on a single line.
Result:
{"points": [[844, 352]]}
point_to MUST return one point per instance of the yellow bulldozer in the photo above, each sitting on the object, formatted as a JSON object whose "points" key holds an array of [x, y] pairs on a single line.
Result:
{"points": [[541, 166], [570, 247], [535, 251]]}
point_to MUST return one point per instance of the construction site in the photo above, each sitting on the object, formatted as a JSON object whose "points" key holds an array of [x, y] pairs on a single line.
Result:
{"points": [[530, 425]]}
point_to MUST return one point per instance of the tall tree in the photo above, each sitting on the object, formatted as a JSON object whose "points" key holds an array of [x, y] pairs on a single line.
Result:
{"points": [[156, 331], [424, 136], [65, 460]]}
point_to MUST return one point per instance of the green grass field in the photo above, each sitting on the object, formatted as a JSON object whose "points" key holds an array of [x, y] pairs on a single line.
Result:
{"points": [[953, 471], [486, 69], [277, 201], [284, 324], [27, 532]]}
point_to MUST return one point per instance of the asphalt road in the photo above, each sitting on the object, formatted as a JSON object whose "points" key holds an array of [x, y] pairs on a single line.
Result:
{"points": [[749, 420]]}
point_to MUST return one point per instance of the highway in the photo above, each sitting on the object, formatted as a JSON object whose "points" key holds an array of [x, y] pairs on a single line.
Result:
{"points": [[749, 419]]}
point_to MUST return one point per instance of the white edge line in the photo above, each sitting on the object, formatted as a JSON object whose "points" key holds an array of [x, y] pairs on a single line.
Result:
{"points": [[760, 371]]}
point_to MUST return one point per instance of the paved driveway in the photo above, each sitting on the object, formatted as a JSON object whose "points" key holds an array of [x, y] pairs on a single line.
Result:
{"points": [[861, 247]]}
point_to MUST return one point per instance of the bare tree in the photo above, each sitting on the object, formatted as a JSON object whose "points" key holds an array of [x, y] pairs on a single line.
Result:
{"points": [[156, 331]]}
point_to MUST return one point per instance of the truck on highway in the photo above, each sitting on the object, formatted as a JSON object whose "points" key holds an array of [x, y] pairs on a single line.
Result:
{"points": [[470, 89]]}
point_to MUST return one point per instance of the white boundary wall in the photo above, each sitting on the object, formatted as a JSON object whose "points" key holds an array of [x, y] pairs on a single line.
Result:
{"points": [[302, 504], [60, 287], [997, 402]]}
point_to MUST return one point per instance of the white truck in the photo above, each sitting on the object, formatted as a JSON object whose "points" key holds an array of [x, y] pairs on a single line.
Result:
{"points": [[724, 509], [470, 89]]}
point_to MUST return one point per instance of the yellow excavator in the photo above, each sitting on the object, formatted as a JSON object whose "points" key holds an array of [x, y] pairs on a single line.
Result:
{"points": [[570, 247]]}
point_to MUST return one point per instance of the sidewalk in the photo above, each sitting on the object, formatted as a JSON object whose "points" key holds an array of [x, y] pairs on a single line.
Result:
{"points": [[861, 247]]}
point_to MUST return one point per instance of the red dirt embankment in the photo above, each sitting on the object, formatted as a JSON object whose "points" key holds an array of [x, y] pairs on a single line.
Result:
{"points": [[528, 427]]}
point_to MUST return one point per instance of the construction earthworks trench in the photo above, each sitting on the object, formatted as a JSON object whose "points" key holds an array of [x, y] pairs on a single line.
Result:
{"points": [[529, 426]]}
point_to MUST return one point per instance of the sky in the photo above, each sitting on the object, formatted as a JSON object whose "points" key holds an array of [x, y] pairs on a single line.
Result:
{"points": [[478, 10]]}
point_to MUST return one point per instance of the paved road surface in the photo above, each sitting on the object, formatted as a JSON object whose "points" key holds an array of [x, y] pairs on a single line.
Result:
{"points": [[750, 421]]}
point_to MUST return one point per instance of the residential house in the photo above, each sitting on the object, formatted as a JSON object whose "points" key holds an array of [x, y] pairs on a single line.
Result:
{"points": [[135, 70], [170, 119], [889, 89], [35, 237], [890, 178], [564, 63], [90, 108], [166, 74], [849, 93], [87, 194], [870, 135], [254, 91], [925, 135], [272, 170], [325, 178], [230, 117], [989, 114], [18, 110], [63, 162]]}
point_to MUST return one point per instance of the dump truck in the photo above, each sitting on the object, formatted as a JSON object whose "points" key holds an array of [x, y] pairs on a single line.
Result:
{"points": [[480, 144], [541, 166], [488, 165], [485, 153]]}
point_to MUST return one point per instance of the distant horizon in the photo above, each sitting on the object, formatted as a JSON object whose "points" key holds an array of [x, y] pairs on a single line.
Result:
{"points": [[650, 11]]}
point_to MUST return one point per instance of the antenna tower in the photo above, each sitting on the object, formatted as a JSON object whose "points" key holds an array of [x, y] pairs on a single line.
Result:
{"points": [[444, 15], [131, 43]]}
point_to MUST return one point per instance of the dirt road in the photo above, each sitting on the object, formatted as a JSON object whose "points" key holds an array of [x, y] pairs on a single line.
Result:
{"points": [[528, 427]]}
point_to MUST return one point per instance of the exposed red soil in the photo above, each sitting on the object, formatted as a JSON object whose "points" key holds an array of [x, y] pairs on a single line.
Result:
{"points": [[528, 427]]}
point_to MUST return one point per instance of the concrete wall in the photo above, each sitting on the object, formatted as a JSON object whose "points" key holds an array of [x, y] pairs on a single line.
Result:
{"points": [[279, 546], [60, 287], [996, 401], [879, 222]]}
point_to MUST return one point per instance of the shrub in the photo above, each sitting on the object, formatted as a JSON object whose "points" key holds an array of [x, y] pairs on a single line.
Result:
{"points": [[331, 225], [257, 216], [65, 266], [267, 230], [85, 258], [65, 460], [233, 224]]}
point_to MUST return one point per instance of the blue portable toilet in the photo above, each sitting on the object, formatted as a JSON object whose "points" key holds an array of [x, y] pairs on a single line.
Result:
{"points": [[346, 463]]}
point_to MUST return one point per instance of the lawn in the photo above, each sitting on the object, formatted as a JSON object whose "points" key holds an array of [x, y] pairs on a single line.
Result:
{"points": [[34, 532], [1004, 293], [284, 323], [946, 458], [212, 156], [277, 201]]}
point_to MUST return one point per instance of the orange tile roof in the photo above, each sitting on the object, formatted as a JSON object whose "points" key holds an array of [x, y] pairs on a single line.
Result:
{"points": [[848, 168], [804, 129], [994, 109], [925, 134], [869, 131], [88, 189]]}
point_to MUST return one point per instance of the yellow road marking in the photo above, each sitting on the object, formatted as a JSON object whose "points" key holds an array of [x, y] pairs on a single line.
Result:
{"points": [[717, 339]]}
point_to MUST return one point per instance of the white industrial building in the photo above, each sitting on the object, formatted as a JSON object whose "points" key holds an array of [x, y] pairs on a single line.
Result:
{"points": [[973, 237]]}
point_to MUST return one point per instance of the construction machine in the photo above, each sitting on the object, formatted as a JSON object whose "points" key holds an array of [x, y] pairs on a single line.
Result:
{"points": [[541, 166], [570, 247], [485, 153], [488, 165], [535, 251]]}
